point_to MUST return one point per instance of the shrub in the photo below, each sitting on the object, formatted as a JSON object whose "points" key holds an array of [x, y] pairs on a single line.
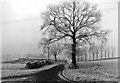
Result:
{"points": [[37, 64], [28, 65], [48, 62]]}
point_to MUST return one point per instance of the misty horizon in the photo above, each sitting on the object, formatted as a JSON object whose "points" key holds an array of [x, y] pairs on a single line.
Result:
{"points": [[21, 25]]}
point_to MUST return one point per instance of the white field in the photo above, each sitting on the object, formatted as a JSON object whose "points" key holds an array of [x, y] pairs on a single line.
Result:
{"points": [[106, 70], [18, 69], [110, 66], [10, 66]]}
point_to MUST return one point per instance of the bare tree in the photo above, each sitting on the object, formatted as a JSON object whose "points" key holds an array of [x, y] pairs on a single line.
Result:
{"points": [[108, 52], [76, 21], [95, 49], [82, 51], [113, 51], [50, 48], [55, 49], [45, 45], [105, 53]]}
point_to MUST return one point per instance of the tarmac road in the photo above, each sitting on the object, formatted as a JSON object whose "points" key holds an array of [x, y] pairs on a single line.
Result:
{"points": [[52, 75], [48, 76]]}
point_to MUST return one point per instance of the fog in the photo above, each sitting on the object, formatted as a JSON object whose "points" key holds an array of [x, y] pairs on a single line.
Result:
{"points": [[21, 25]]}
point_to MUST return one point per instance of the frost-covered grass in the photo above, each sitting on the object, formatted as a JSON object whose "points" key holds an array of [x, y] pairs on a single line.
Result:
{"points": [[106, 70], [12, 70], [10, 66]]}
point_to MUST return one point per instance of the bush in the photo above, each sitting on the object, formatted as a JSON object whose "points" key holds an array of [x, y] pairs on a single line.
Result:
{"points": [[48, 62], [37, 64], [28, 65]]}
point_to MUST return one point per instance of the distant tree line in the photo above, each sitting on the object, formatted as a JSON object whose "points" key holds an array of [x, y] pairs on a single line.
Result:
{"points": [[96, 53]]}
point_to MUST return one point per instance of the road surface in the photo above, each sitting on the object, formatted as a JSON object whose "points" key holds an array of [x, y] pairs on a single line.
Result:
{"points": [[52, 75]]}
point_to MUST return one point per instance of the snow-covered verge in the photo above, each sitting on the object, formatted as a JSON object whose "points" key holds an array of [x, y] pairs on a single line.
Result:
{"points": [[94, 71], [10, 66], [6, 73]]}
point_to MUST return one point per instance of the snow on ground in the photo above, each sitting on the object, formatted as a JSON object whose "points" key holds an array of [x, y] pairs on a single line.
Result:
{"points": [[19, 69], [10, 66], [106, 70]]}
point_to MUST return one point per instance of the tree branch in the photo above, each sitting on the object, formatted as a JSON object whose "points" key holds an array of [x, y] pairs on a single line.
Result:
{"points": [[56, 39]]}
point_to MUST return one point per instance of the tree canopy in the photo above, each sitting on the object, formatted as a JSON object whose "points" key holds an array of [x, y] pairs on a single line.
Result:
{"points": [[77, 21]]}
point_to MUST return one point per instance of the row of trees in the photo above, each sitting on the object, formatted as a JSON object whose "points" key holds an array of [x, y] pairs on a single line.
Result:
{"points": [[97, 53], [76, 22], [94, 52]]}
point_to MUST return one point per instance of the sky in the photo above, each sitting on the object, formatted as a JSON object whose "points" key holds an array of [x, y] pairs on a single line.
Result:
{"points": [[21, 24]]}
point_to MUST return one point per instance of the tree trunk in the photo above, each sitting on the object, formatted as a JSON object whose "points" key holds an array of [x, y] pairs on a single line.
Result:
{"points": [[97, 56], [48, 52], [108, 52], [93, 56], [105, 54], [55, 58], [74, 53], [112, 54], [78, 59], [85, 57], [101, 53], [89, 56]]}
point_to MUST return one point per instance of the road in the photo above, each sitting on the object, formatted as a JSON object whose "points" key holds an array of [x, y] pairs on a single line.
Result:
{"points": [[48, 76], [52, 75]]}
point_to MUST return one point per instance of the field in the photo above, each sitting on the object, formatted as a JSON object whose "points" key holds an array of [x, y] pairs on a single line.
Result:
{"points": [[10, 66], [106, 70], [13, 70]]}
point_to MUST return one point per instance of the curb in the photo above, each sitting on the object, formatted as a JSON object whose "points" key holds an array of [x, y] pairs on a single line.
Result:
{"points": [[63, 74]]}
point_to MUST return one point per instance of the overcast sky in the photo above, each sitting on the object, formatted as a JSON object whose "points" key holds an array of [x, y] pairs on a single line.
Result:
{"points": [[21, 23]]}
